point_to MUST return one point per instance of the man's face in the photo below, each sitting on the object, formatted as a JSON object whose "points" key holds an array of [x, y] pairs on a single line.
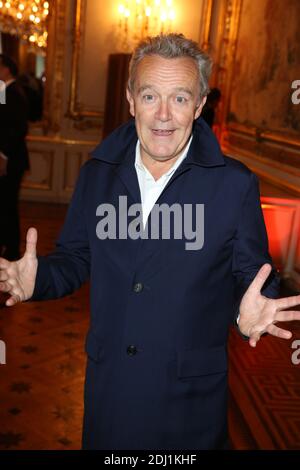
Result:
{"points": [[165, 101]]}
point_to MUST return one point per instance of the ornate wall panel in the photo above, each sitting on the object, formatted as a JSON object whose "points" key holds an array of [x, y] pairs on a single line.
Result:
{"points": [[55, 164], [73, 160], [40, 175], [55, 67], [282, 218], [266, 63], [258, 59], [88, 69]]}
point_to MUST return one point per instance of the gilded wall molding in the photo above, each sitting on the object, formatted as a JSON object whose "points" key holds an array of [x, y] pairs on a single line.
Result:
{"points": [[45, 184], [76, 109], [205, 24], [226, 54], [261, 135], [77, 161], [281, 147], [61, 141], [274, 155], [55, 64], [53, 97]]}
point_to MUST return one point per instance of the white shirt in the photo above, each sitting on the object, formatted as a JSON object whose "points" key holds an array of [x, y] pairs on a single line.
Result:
{"points": [[149, 188]]}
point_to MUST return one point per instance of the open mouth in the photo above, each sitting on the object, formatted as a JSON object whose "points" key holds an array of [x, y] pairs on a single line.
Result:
{"points": [[163, 132]]}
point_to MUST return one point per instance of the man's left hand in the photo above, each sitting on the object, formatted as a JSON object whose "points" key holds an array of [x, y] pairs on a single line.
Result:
{"points": [[258, 314]]}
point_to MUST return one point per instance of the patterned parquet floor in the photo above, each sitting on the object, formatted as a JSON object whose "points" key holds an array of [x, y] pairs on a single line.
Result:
{"points": [[41, 385]]}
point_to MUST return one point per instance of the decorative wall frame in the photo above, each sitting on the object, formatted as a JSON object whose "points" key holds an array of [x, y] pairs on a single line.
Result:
{"points": [[279, 150], [76, 110]]}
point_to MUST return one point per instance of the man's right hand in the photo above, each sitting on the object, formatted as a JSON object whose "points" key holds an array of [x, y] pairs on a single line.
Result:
{"points": [[17, 278]]}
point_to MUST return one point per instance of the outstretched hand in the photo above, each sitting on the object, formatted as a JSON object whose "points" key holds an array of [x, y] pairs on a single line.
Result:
{"points": [[258, 314], [17, 278]]}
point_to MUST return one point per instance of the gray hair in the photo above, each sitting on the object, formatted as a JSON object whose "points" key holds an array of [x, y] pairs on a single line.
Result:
{"points": [[172, 46]]}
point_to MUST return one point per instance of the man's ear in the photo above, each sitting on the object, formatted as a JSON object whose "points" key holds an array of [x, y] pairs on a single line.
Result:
{"points": [[199, 107], [130, 101]]}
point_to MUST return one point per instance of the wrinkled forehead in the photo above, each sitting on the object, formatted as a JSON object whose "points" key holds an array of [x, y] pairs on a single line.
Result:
{"points": [[157, 71]]}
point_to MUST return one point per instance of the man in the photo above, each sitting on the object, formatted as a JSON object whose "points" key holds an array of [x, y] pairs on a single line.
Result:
{"points": [[157, 364], [13, 157]]}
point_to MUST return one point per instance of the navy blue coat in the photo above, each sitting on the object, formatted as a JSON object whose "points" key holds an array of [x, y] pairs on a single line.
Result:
{"points": [[157, 345]]}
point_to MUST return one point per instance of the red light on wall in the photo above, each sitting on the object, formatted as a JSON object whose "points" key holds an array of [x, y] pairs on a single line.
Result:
{"points": [[282, 218]]}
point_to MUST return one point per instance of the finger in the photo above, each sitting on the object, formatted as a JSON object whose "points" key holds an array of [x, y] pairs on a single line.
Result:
{"points": [[287, 302], [16, 295], [287, 315], [260, 278], [31, 241], [279, 332], [13, 289], [254, 338], [13, 300]]}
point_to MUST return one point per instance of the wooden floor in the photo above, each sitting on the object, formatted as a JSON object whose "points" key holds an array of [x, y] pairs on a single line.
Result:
{"points": [[41, 386]]}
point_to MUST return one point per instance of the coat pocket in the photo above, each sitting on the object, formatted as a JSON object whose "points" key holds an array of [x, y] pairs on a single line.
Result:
{"points": [[93, 347], [196, 362]]}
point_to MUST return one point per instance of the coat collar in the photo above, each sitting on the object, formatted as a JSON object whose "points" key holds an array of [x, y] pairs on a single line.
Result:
{"points": [[119, 147]]}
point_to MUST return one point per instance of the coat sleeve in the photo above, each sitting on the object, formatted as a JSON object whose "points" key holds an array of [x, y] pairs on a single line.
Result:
{"points": [[68, 267], [250, 249]]}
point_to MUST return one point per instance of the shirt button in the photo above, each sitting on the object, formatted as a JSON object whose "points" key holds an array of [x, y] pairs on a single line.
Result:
{"points": [[131, 350], [138, 287]]}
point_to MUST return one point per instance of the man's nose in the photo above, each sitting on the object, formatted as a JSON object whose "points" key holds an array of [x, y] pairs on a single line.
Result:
{"points": [[163, 112]]}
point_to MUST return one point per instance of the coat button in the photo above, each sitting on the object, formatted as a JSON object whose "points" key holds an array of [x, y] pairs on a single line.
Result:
{"points": [[131, 350], [138, 287]]}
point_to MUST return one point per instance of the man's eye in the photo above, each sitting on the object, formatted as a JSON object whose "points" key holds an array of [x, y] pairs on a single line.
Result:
{"points": [[148, 98], [181, 99]]}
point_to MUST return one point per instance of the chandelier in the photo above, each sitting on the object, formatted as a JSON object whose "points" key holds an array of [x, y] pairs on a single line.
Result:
{"points": [[141, 18], [26, 19]]}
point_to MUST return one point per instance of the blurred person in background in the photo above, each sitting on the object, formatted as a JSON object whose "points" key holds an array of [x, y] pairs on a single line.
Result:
{"points": [[209, 109], [14, 160]]}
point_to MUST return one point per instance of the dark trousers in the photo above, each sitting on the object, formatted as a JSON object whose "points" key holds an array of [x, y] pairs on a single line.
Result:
{"points": [[9, 216]]}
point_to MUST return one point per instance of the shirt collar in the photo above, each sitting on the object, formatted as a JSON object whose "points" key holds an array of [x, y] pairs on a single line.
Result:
{"points": [[139, 164]]}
